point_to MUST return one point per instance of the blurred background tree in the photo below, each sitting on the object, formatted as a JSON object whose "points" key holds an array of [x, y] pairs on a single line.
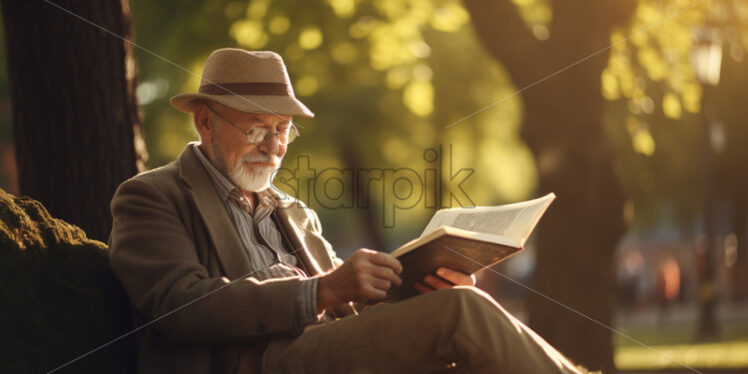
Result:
{"points": [[730, 165], [673, 78], [534, 38], [565, 130]]}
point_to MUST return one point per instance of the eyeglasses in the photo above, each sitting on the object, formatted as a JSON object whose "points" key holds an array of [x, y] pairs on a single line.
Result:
{"points": [[259, 134]]}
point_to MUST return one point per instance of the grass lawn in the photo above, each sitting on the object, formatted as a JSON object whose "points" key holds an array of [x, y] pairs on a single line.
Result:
{"points": [[671, 347]]}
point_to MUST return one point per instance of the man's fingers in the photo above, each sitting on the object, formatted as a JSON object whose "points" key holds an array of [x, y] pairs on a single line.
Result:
{"points": [[381, 284], [436, 282], [373, 293], [386, 273], [456, 277], [384, 259], [422, 288]]}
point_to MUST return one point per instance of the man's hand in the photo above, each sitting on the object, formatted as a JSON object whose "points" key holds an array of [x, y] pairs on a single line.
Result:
{"points": [[444, 278], [364, 277]]}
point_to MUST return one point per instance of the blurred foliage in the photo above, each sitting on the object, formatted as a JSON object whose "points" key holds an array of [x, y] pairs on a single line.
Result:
{"points": [[658, 58], [655, 113]]}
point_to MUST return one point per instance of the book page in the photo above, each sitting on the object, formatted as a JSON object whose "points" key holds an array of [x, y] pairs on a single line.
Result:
{"points": [[513, 221], [455, 232]]}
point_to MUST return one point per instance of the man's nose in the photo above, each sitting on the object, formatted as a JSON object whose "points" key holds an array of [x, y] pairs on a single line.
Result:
{"points": [[270, 145]]}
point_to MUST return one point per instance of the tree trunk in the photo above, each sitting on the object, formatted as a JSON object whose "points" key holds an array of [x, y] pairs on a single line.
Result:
{"points": [[76, 128], [577, 238], [563, 126]]}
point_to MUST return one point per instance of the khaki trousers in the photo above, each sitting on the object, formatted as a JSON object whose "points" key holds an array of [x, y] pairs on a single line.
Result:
{"points": [[458, 330]]}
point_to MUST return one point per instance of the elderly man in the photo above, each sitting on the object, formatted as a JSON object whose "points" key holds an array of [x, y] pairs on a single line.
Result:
{"points": [[227, 275]]}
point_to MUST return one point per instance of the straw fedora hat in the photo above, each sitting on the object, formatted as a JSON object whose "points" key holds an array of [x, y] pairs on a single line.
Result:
{"points": [[253, 82]]}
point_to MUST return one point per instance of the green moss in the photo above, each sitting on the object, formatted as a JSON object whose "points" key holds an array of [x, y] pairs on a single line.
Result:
{"points": [[58, 296]]}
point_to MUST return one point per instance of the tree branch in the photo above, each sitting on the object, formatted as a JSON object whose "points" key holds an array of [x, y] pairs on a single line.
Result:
{"points": [[506, 37], [581, 24]]}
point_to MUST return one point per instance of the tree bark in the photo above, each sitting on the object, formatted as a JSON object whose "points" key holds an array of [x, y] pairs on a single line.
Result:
{"points": [[76, 123], [563, 126]]}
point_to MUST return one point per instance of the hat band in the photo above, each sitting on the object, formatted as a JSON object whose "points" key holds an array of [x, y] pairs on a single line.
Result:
{"points": [[247, 88]]}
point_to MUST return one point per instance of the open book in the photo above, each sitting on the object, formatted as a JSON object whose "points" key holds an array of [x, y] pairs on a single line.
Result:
{"points": [[468, 240]]}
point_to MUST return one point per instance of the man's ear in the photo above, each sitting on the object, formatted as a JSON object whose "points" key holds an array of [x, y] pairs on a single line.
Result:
{"points": [[201, 121]]}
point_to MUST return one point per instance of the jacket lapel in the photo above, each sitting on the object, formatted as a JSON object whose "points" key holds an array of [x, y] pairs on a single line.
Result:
{"points": [[220, 228], [296, 223]]}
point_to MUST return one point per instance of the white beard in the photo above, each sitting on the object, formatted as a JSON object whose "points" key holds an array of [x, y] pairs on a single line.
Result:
{"points": [[259, 178], [255, 181]]}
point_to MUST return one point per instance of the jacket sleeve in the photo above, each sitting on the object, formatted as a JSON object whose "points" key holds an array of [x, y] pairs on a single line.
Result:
{"points": [[155, 259]]}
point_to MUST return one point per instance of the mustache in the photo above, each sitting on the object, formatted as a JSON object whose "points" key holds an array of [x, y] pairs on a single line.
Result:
{"points": [[260, 157]]}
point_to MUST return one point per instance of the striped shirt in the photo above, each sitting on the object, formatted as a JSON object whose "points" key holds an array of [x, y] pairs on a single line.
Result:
{"points": [[263, 242]]}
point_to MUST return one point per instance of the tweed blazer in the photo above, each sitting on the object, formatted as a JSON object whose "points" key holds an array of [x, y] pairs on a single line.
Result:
{"points": [[175, 251]]}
